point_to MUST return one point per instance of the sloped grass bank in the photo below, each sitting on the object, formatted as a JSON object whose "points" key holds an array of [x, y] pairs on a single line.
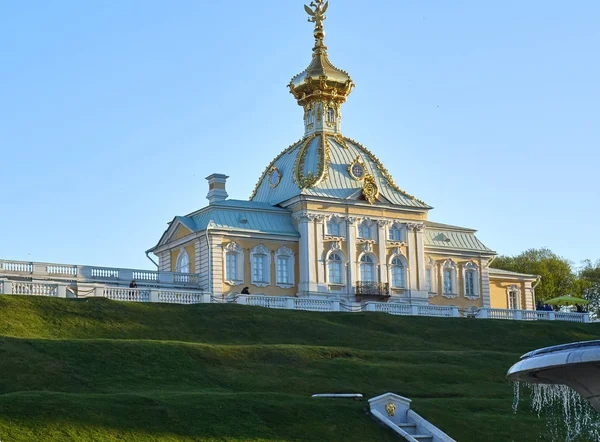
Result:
{"points": [[96, 370]]}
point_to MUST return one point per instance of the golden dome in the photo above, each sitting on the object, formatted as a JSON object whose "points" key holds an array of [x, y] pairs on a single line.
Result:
{"points": [[321, 80]]}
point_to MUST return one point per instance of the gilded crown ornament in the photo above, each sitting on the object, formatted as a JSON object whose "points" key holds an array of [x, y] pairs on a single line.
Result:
{"points": [[321, 81]]}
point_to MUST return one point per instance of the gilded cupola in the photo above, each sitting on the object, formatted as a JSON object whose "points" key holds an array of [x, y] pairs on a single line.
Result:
{"points": [[321, 88]]}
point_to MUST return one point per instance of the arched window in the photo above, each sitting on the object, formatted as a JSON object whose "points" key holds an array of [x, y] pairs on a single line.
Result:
{"points": [[367, 269], [431, 276], [514, 297], [331, 115], [449, 279], [183, 262], [334, 267], [364, 230], [398, 272], [284, 259], [471, 278], [260, 260], [234, 263]]}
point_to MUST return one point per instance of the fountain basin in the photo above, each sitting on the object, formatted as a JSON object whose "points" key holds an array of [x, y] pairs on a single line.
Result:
{"points": [[576, 365]]}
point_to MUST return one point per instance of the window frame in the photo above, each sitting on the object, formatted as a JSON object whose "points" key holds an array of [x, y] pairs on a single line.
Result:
{"points": [[471, 268], [341, 262], [450, 266], [372, 263], [262, 252], [403, 264], [287, 254], [233, 249], [182, 254]]}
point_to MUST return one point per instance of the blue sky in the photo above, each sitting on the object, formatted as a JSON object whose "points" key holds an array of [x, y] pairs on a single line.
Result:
{"points": [[112, 113]]}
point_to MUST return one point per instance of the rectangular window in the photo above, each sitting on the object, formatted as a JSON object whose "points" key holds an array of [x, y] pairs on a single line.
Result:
{"points": [[470, 283], [333, 228], [364, 231], [395, 234], [283, 274], [513, 300], [398, 276], [335, 272], [258, 268], [429, 281], [232, 266], [448, 281]]}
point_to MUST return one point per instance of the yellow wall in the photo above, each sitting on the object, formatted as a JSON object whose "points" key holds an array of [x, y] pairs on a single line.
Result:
{"points": [[460, 300], [181, 232], [272, 289], [191, 251], [499, 294], [374, 212]]}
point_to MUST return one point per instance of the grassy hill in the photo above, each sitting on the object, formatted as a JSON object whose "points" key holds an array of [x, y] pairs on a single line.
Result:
{"points": [[97, 370]]}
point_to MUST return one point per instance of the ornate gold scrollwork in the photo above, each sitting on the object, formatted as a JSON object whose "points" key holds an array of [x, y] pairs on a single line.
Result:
{"points": [[370, 190], [274, 173], [309, 180]]}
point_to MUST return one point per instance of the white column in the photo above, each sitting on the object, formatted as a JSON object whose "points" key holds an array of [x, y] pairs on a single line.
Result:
{"points": [[216, 264], [306, 248], [382, 226], [412, 256], [320, 256], [351, 248], [420, 257], [485, 283], [529, 302]]}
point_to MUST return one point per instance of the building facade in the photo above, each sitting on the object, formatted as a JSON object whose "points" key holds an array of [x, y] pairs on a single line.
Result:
{"points": [[326, 219]]}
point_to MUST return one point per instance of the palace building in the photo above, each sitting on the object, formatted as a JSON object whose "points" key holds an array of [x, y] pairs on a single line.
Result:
{"points": [[326, 219]]}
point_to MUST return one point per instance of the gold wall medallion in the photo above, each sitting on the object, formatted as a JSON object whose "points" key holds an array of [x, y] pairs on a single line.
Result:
{"points": [[391, 409], [370, 189], [274, 177], [357, 169]]}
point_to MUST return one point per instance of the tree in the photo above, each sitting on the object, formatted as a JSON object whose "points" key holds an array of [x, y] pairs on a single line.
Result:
{"points": [[589, 280], [557, 274]]}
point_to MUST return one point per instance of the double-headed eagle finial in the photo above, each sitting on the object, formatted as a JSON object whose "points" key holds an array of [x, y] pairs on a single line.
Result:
{"points": [[317, 15]]}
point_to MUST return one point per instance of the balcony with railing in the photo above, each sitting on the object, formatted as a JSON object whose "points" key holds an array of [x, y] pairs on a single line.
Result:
{"points": [[365, 289]]}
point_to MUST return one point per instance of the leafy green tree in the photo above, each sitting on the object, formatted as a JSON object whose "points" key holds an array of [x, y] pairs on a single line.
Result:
{"points": [[557, 274], [589, 280]]}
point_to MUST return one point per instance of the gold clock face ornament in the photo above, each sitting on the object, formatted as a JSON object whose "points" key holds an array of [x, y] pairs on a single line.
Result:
{"points": [[357, 169]]}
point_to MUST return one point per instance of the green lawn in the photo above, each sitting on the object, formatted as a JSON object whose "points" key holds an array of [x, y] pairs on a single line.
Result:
{"points": [[97, 370]]}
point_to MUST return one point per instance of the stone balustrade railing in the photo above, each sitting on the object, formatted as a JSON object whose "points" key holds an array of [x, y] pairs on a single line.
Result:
{"points": [[181, 296], [95, 274]]}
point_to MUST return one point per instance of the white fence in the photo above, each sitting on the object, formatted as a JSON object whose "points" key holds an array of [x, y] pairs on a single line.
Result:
{"points": [[170, 296], [95, 274]]}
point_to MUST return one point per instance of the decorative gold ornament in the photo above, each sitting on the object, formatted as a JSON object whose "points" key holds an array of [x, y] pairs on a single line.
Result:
{"points": [[357, 169], [317, 15], [309, 180], [274, 177], [290, 149], [383, 170], [370, 190], [391, 409]]}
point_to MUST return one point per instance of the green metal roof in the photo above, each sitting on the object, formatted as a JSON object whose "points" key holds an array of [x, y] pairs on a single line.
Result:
{"points": [[453, 240]]}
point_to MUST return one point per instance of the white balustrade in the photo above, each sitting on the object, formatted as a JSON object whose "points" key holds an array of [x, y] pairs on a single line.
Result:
{"points": [[313, 305], [145, 275], [104, 273], [177, 297], [126, 294], [571, 317], [61, 270], [16, 267], [34, 289], [392, 308], [438, 311], [267, 301]]}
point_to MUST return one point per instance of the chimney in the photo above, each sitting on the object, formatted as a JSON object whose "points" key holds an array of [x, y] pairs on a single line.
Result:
{"points": [[216, 188]]}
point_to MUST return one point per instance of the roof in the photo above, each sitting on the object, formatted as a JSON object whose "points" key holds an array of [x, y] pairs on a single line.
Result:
{"points": [[448, 227], [500, 272], [320, 163], [444, 238], [238, 215]]}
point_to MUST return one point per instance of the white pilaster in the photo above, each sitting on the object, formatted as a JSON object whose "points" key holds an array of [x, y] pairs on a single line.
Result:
{"points": [[529, 301], [420, 257], [320, 255], [306, 248], [485, 283], [412, 257], [382, 226], [351, 246]]}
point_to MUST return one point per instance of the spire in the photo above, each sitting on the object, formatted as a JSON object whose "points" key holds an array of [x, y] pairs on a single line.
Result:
{"points": [[321, 88]]}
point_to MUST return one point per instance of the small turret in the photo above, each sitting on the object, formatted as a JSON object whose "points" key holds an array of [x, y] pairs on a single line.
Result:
{"points": [[216, 188]]}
